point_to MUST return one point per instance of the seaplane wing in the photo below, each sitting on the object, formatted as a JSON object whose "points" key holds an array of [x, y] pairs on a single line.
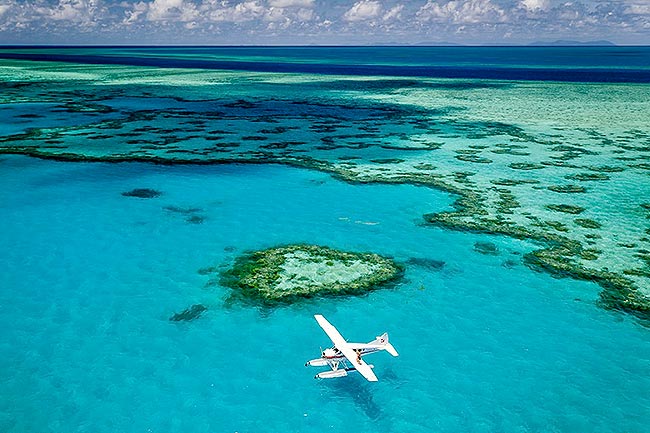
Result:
{"points": [[342, 345], [358, 363], [331, 331]]}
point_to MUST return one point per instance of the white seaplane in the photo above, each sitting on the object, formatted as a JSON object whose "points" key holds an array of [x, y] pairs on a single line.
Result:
{"points": [[345, 357]]}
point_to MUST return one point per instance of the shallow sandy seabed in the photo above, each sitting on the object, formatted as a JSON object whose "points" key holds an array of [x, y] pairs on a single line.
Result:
{"points": [[565, 164]]}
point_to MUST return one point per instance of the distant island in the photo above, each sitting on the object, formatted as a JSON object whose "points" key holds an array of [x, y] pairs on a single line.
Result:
{"points": [[566, 43], [556, 43]]}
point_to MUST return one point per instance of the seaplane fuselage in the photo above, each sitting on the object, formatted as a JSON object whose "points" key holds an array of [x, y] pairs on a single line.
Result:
{"points": [[333, 354]]}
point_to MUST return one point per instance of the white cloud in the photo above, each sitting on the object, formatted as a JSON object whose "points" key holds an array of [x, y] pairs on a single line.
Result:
{"points": [[73, 10], [4, 8], [569, 12], [281, 12], [291, 3], [165, 10], [134, 14], [288, 16], [77, 11], [82, 15], [363, 10], [461, 11], [304, 14], [393, 13], [241, 12], [638, 8], [535, 5], [39, 21], [275, 15]]}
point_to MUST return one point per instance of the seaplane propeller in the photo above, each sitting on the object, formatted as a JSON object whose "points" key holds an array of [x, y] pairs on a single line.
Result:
{"points": [[346, 357]]}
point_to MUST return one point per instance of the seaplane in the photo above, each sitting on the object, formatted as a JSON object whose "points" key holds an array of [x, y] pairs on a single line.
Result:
{"points": [[345, 357]]}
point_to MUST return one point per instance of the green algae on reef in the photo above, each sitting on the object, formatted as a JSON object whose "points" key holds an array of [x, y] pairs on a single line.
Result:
{"points": [[288, 273]]}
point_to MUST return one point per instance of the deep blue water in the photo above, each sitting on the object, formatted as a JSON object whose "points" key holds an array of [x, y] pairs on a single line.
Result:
{"points": [[572, 64], [89, 278]]}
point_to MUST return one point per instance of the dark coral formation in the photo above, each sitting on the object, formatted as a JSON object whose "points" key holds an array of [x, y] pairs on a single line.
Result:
{"points": [[487, 248], [526, 166], [585, 177], [195, 219], [183, 210], [473, 158], [606, 169], [566, 208], [191, 214], [587, 223], [567, 189], [142, 193], [429, 264]]}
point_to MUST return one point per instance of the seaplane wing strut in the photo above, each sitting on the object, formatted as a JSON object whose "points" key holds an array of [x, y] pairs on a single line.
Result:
{"points": [[342, 345]]}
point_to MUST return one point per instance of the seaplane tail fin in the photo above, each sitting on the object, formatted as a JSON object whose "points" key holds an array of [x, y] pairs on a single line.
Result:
{"points": [[383, 341]]}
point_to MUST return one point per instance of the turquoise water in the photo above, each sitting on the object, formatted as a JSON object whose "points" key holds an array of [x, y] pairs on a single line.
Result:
{"points": [[89, 279]]}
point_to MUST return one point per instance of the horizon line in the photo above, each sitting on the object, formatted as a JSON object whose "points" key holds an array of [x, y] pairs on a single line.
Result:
{"points": [[386, 45]]}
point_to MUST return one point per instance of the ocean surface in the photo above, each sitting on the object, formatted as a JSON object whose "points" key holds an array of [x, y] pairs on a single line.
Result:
{"points": [[597, 64], [89, 277]]}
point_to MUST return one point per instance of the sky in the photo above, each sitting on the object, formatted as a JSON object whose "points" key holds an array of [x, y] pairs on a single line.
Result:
{"points": [[322, 22]]}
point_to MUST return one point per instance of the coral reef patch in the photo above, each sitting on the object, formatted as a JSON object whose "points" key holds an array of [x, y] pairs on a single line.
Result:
{"points": [[285, 274]]}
